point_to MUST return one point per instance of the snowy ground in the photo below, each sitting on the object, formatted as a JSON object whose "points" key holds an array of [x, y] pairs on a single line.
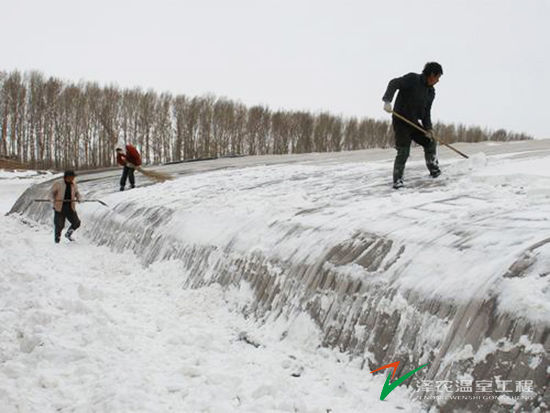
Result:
{"points": [[84, 329]]}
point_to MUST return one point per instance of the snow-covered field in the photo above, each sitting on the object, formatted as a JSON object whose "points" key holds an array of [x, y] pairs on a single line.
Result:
{"points": [[87, 330]]}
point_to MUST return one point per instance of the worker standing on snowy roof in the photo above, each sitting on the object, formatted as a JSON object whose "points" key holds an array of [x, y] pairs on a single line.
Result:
{"points": [[414, 102], [64, 193], [130, 161]]}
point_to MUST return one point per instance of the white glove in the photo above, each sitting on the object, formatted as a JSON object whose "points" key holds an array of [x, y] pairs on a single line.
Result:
{"points": [[430, 133], [387, 107]]}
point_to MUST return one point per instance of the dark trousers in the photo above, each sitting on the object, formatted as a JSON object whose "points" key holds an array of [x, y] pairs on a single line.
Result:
{"points": [[404, 135], [127, 173], [59, 221]]}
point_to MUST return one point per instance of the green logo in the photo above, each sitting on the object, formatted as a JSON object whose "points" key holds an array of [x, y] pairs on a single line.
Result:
{"points": [[388, 387]]}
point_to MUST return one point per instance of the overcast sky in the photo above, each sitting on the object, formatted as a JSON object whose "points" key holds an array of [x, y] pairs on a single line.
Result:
{"points": [[317, 55]]}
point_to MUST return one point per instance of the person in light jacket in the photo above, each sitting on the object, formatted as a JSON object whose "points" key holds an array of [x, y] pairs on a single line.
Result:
{"points": [[64, 195]]}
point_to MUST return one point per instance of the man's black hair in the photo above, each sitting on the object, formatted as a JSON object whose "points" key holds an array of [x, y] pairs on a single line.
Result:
{"points": [[69, 173], [432, 68]]}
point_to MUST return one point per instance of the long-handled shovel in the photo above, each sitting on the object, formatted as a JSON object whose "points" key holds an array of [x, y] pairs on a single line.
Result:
{"points": [[404, 119], [66, 200]]}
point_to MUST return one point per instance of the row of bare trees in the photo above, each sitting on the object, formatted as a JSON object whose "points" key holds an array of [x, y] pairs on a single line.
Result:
{"points": [[49, 123]]}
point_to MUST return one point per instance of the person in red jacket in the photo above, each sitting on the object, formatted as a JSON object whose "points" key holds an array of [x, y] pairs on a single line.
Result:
{"points": [[129, 161]]}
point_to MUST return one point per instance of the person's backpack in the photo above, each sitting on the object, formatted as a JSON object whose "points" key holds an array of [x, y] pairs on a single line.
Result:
{"points": [[132, 155]]}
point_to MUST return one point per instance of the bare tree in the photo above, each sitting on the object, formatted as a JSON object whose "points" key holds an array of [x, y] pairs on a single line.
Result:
{"points": [[162, 130], [257, 130], [281, 127], [13, 95], [146, 121], [303, 130], [204, 145], [223, 126]]}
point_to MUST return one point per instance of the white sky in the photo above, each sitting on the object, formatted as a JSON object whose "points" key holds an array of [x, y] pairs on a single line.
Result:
{"points": [[316, 55]]}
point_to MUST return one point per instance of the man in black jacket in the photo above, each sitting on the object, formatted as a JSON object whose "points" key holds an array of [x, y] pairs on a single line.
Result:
{"points": [[414, 101]]}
